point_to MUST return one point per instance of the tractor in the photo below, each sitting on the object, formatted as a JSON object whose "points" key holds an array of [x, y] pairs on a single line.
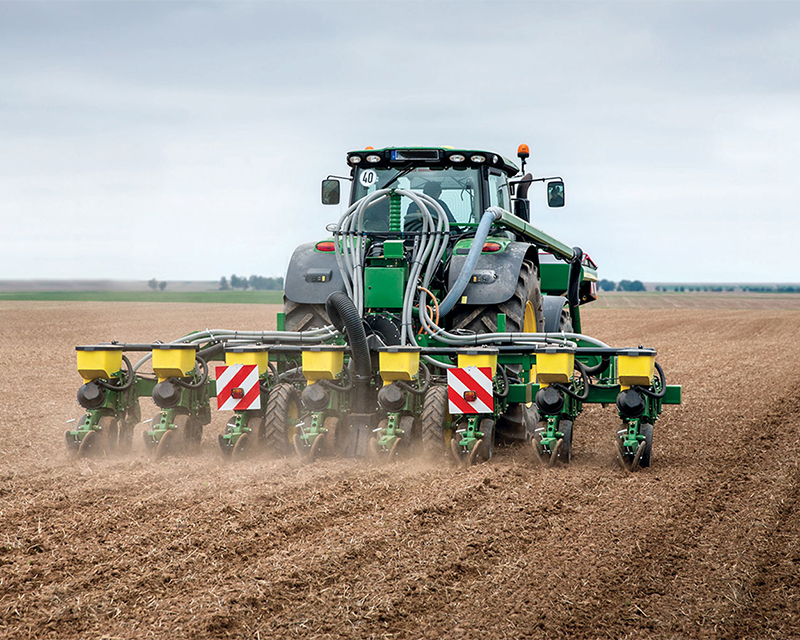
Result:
{"points": [[433, 320]]}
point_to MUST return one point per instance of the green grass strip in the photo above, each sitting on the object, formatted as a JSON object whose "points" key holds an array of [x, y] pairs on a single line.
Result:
{"points": [[219, 297]]}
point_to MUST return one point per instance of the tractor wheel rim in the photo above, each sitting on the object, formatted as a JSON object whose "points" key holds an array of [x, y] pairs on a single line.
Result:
{"points": [[529, 321], [292, 414]]}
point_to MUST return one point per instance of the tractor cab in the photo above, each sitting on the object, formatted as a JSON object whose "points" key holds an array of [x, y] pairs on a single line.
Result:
{"points": [[464, 182]]}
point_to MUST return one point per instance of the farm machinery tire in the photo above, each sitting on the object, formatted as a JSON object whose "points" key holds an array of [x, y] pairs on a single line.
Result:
{"points": [[304, 317], [432, 423], [524, 310], [283, 409]]}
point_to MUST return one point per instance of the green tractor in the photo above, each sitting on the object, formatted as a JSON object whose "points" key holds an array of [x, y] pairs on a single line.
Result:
{"points": [[434, 255], [434, 320]]}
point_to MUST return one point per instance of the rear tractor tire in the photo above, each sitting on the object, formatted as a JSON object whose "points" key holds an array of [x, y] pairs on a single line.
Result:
{"points": [[304, 317], [435, 438], [523, 310], [281, 415]]}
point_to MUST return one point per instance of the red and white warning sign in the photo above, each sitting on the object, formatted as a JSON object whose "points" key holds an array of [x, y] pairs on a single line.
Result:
{"points": [[237, 387], [469, 390]]}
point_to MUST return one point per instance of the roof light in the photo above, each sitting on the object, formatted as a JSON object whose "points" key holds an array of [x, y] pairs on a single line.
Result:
{"points": [[470, 395], [457, 157], [368, 148], [354, 159], [491, 247], [373, 158], [478, 159], [523, 151], [326, 245]]}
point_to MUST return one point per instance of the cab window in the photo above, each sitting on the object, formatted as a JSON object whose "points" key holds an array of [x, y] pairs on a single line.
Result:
{"points": [[457, 190], [498, 190]]}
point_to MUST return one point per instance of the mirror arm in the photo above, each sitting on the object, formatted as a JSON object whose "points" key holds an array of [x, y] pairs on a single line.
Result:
{"points": [[559, 178], [348, 178]]}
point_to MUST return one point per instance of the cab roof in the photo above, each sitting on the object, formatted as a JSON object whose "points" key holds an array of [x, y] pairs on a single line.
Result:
{"points": [[430, 157]]}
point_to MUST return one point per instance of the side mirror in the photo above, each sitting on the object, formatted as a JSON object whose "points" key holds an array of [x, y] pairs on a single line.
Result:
{"points": [[555, 194], [330, 192]]}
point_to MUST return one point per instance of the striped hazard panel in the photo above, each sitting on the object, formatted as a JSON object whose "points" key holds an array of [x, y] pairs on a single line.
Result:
{"points": [[237, 387], [469, 390]]}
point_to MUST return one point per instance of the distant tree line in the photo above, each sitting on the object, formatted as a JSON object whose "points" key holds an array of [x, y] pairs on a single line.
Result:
{"points": [[710, 288], [257, 283], [624, 285], [155, 285]]}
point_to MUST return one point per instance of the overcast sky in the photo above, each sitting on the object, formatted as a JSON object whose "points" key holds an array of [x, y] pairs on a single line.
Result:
{"points": [[184, 140]]}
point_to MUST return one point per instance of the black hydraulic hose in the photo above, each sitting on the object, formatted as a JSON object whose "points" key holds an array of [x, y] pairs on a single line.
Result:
{"points": [[599, 368], [209, 352], [425, 385], [505, 383], [122, 387], [574, 286], [579, 366], [198, 384], [344, 315], [333, 386], [656, 394]]}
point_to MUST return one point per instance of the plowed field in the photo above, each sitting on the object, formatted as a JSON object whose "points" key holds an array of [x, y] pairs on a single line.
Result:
{"points": [[706, 543]]}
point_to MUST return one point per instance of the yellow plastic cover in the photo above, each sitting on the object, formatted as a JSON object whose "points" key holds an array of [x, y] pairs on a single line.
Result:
{"points": [[478, 358], [173, 361], [636, 366], [554, 365], [257, 356], [322, 364], [96, 362], [398, 364]]}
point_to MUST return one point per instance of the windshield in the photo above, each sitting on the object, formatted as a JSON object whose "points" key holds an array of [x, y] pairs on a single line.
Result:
{"points": [[455, 189]]}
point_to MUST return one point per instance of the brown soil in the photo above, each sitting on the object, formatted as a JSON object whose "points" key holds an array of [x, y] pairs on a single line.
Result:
{"points": [[706, 543]]}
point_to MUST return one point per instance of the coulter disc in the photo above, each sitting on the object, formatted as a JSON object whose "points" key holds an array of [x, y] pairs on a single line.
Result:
{"points": [[621, 455], [537, 449], [318, 447], [477, 454], [165, 447], [554, 453], [637, 458], [299, 447], [394, 449], [373, 450], [88, 445], [241, 448], [455, 451]]}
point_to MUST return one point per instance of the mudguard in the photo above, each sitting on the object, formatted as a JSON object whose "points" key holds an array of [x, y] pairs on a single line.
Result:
{"points": [[312, 275], [552, 307], [495, 276]]}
